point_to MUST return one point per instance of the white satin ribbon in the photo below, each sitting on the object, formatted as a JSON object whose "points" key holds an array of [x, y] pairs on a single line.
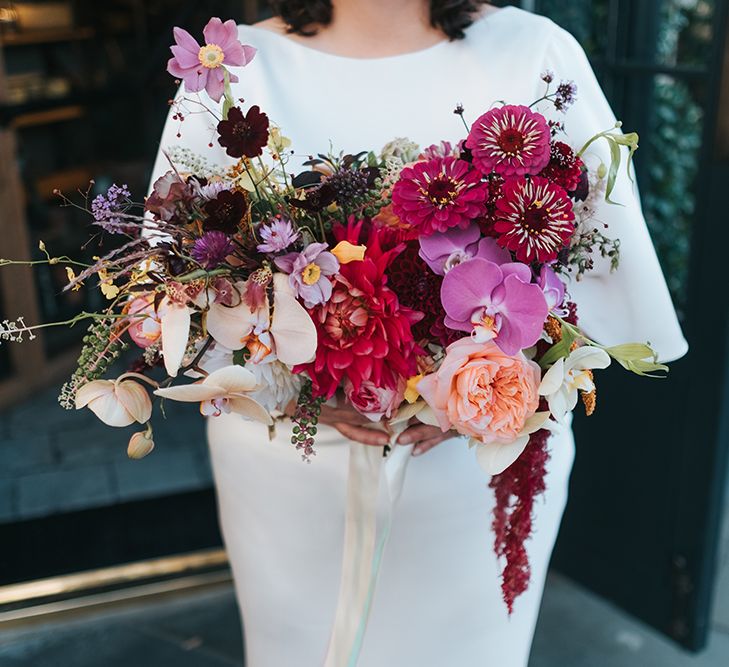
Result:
{"points": [[363, 550]]}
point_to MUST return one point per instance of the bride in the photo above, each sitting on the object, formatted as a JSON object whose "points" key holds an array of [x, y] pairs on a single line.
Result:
{"points": [[354, 74]]}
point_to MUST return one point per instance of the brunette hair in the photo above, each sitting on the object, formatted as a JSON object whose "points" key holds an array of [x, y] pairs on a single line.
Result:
{"points": [[303, 16]]}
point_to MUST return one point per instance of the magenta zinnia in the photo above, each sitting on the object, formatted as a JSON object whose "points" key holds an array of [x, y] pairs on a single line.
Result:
{"points": [[436, 195], [510, 140], [534, 218]]}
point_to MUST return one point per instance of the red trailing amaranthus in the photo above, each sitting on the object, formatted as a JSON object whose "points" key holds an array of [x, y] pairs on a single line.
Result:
{"points": [[516, 489]]}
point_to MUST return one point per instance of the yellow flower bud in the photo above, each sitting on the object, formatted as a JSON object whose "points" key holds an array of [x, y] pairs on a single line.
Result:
{"points": [[140, 444], [411, 392], [345, 252]]}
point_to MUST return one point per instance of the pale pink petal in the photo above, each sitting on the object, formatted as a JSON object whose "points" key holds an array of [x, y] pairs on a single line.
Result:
{"points": [[230, 326], [175, 320], [186, 40], [135, 399], [109, 409], [553, 378], [191, 393], [233, 379], [246, 406], [215, 85], [428, 389], [588, 356], [215, 32], [93, 390], [185, 59], [495, 458], [535, 422], [292, 329]]}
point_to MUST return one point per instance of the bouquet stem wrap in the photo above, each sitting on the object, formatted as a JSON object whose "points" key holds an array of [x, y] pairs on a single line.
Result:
{"points": [[363, 548]]}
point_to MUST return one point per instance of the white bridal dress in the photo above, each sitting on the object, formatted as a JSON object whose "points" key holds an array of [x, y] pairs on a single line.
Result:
{"points": [[438, 600]]}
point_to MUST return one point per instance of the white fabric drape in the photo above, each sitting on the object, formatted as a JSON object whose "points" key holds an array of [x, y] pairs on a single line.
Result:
{"points": [[438, 601]]}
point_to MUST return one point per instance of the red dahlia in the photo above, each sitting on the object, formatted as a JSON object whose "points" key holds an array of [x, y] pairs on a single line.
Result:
{"points": [[564, 168], [364, 332], [534, 218], [437, 194]]}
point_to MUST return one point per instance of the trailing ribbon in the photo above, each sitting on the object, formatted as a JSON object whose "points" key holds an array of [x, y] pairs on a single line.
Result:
{"points": [[363, 551]]}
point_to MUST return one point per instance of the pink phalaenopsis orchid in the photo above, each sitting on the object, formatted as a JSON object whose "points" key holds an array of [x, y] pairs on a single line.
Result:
{"points": [[493, 301], [204, 67], [444, 250]]}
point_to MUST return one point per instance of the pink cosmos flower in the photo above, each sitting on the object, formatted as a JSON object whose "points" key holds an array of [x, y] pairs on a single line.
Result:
{"points": [[534, 218], [436, 195], [510, 140], [443, 251], [492, 301], [202, 67]]}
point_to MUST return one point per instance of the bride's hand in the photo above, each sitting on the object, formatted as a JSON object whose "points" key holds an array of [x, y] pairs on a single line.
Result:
{"points": [[351, 424], [425, 437]]}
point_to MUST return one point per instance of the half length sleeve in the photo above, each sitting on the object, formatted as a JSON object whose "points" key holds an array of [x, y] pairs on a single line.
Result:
{"points": [[632, 303]]}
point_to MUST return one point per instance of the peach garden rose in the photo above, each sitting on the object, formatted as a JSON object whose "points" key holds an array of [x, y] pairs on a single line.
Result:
{"points": [[488, 395]]}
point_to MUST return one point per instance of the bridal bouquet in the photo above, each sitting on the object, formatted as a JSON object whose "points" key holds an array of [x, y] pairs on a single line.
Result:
{"points": [[430, 283]]}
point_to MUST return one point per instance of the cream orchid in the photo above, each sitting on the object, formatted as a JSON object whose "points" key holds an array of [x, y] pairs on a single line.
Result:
{"points": [[562, 381], [495, 457], [119, 402], [225, 390], [289, 333], [174, 321]]}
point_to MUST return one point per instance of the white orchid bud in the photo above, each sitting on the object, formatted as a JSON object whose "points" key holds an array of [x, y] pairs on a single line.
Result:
{"points": [[140, 444], [116, 403]]}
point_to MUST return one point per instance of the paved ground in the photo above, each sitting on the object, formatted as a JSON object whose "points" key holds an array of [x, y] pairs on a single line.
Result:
{"points": [[575, 629], [52, 460]]}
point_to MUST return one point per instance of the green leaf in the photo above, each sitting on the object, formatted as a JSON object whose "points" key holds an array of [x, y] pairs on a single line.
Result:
{"points": [[228, 101], [558, 350], [644, 368], [631, 351], [613, 169]]}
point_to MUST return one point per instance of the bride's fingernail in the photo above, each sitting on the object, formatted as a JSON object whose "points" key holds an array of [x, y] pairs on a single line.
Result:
{"points": [[417, 451], [404, 440]]}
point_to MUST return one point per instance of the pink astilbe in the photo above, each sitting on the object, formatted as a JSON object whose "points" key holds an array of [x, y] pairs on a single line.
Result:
{"points": [[516, 490]]}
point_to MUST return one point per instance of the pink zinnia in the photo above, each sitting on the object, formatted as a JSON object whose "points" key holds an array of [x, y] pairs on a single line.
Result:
{"points": [[439, 194], [510, 140], [534, 218], [201, 67]]}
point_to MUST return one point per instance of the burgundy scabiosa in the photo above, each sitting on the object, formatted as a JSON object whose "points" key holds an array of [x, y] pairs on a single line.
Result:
{"points": [[277, 235], [438, 194], [534, 219], [564, 168], [510, 140], [244, 135], [211, 249]]}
